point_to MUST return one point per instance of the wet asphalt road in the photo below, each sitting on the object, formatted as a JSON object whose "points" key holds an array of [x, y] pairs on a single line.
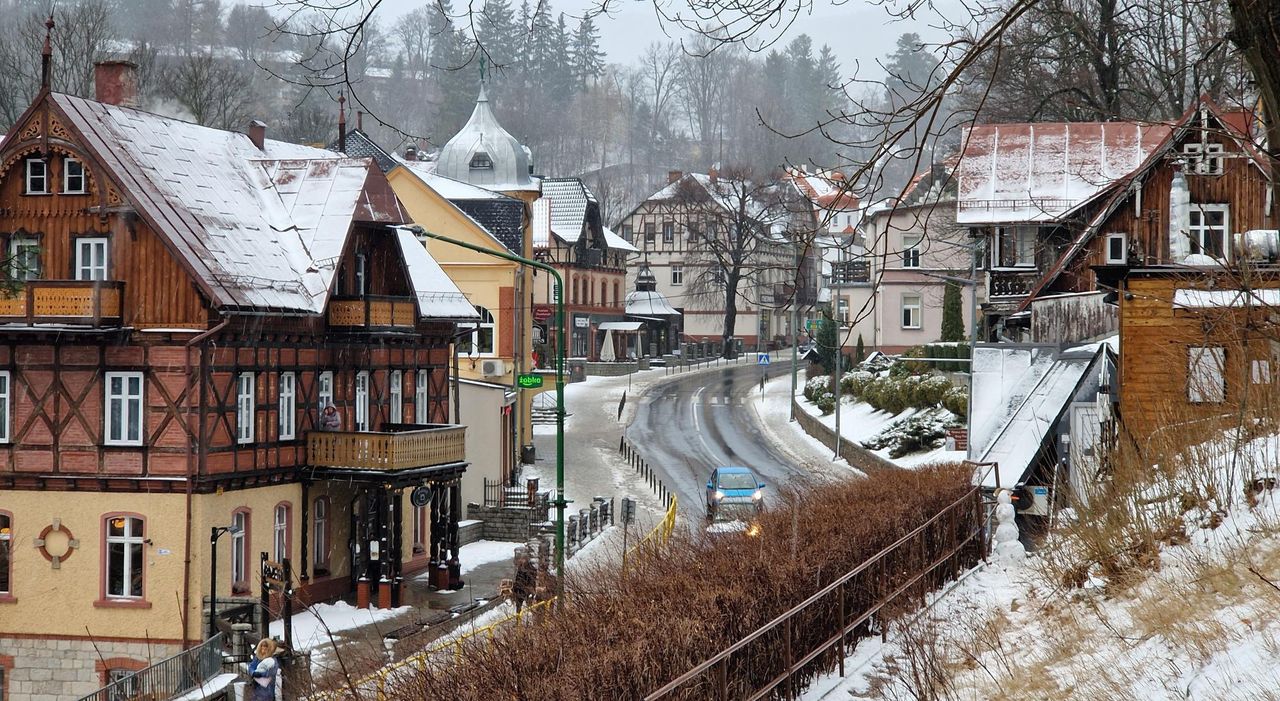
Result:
{"points": [[688, 426]]}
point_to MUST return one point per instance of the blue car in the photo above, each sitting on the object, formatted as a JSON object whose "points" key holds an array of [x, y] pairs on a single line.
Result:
{"points": [[733, 487]]}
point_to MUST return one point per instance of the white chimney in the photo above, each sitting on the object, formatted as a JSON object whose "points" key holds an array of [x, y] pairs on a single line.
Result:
{"points": [[1179, 218]]}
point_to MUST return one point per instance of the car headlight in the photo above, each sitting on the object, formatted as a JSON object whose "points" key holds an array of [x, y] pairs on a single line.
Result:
{"points": [[719, 495], [753, 530], [757, 496]]}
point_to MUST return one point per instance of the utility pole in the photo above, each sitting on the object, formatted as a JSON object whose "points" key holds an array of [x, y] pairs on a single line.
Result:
{"points": [[795, 336]]}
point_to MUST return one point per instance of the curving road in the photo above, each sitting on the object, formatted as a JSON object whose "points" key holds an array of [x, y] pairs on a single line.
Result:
{"points": [[687, 426]]}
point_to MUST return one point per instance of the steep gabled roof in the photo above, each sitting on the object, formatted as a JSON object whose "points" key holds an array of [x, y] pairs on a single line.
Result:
{"points": [[499, 215], [1011, 173], [827, 189], [256, 229], [567, 202], [1122, 190]]}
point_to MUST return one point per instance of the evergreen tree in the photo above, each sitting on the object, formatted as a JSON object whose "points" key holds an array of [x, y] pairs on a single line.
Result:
{"points": [[457, 86], [587, 58], [828, 74], [559, 75], [828, 343], [497, 32], [859, 351], [952, 315]]}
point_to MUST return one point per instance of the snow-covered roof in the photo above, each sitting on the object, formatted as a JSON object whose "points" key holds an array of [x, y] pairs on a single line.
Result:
{"points": [[567, 199], [1040, 172], [649, 303], [826, 189], [257, 228], [617, 243], [449, 188], [438, 297], [1213, 299], [483, 153], [1018, 395]]}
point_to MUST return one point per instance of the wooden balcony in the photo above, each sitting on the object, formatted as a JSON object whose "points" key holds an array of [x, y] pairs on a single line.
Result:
{"points": [[416, 446], [94, 303], [380, 313], [1011, 283]]}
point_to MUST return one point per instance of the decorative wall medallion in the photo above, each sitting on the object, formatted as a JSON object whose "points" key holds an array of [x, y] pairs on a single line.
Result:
{"points": [[56, 543]]}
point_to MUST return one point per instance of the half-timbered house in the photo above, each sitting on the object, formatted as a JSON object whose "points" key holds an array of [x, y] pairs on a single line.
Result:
{"points": [[182, 305]]}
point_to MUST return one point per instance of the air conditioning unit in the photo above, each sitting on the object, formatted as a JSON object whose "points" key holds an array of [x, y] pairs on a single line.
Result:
{"points": [[493, 368]]}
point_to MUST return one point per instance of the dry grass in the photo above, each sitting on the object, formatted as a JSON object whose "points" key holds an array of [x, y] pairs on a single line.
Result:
{"points": [[622, 638]]}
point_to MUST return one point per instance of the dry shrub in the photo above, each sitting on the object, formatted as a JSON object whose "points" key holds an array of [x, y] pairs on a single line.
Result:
{"points": [[623, 637]]}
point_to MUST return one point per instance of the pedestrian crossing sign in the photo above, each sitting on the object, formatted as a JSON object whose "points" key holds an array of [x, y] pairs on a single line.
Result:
{"points": [[762, 358]]}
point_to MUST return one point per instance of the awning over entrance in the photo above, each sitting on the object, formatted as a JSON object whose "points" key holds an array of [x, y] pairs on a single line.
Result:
{"points": [[620, 326]]}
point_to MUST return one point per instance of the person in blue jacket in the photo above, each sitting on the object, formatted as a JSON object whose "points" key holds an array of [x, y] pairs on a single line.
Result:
{"points": [[264, 669]]}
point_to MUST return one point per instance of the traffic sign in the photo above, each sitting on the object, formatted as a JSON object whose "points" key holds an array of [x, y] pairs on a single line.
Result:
{"points": [[529, 381], [762, 358]]}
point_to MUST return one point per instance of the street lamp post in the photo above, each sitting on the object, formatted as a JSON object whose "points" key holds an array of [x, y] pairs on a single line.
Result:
{"points": [[558, 295], [214, 534]]}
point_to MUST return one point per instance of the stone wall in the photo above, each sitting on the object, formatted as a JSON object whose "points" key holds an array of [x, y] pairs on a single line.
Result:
{"points": [[55, 670], [503, 522], [853, 453]]}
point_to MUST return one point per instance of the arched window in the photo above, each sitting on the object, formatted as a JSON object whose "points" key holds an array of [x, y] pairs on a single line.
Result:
{"points": [[240, 522], [123, 568], [280, 531], [480, 342], [320, 534], [617, 295]]}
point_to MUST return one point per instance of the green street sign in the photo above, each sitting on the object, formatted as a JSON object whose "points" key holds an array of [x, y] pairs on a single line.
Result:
{"points": [[529, 381]]}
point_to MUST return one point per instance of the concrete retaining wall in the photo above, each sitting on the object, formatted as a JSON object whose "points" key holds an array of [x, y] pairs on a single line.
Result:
{"points": [[503, 523], [855, 454]]}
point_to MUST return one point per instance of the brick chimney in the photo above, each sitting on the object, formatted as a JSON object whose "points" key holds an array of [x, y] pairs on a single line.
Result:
{"points": [[674, 175], [116, 83], [258, 134], [411, 153]]}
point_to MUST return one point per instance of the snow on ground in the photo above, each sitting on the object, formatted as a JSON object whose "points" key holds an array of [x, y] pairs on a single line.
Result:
{"points": [[860, 422], [776, 411], [312, 626], [1199, 626]]}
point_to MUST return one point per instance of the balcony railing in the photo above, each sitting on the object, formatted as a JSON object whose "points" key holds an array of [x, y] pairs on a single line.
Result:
{"points": [[168, 678], [373, 313], [92, 302], [1012, 283], [421, 445]]}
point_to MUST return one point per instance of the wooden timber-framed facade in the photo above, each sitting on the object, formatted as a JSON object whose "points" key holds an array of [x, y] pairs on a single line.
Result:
{"points": [[183, 304]]}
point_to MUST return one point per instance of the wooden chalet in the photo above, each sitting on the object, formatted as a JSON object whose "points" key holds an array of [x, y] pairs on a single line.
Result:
{"points": [[183, 304]]}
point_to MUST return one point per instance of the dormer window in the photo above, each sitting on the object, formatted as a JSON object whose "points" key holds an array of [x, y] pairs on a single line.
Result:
{"points": [[1203, 158], [73, 181], [37, 177], [481, 160]]}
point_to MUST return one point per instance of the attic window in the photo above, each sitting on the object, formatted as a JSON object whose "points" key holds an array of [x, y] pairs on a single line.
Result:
{"points": [[1203, 158], [73, 177], [37, 177], [481, 160]]}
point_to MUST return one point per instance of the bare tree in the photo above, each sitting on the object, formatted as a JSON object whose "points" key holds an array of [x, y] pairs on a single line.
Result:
{"points": [[215, 92]]}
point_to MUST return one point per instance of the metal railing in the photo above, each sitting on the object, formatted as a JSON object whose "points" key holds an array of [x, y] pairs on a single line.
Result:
{"points": [[167, 678], [771, 657], [387, 450]]}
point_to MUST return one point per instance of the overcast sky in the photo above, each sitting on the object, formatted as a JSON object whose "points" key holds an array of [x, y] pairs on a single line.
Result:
{"points": [[859, 32]]}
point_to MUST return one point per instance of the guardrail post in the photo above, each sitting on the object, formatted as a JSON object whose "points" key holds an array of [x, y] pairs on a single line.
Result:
{"points": [[790, 665], [843, 625], [722, 674]]}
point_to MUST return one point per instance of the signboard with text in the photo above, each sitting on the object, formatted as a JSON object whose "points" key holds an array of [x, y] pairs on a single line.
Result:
{"points": [[529, 381]]}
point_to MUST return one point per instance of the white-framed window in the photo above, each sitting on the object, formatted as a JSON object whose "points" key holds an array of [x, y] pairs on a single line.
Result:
{"points": [[842, 311], [362, 400], [677, 275], [24, 258], [320, 531], [123, 417], [244, 407], [124, 568], [1015, 247], [239, 551], [37, 177], [362, 282], [4, 412], [91, 258], [73, 180], [324, 389], [420, 396], [397, 397], [288, 408], [1206, 374], [1260, 371], [911, 311], [1117, 249], [280, 533], [911, 250], [668, 232], [481, 339], [1203, 159], [1209, 224]]}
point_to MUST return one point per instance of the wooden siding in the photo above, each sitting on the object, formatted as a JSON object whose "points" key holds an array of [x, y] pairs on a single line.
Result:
{"points": [[1072, 318], [1154, 351]]}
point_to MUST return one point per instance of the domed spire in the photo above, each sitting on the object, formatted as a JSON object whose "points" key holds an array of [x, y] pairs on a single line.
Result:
{"points": [[483, 153]]}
